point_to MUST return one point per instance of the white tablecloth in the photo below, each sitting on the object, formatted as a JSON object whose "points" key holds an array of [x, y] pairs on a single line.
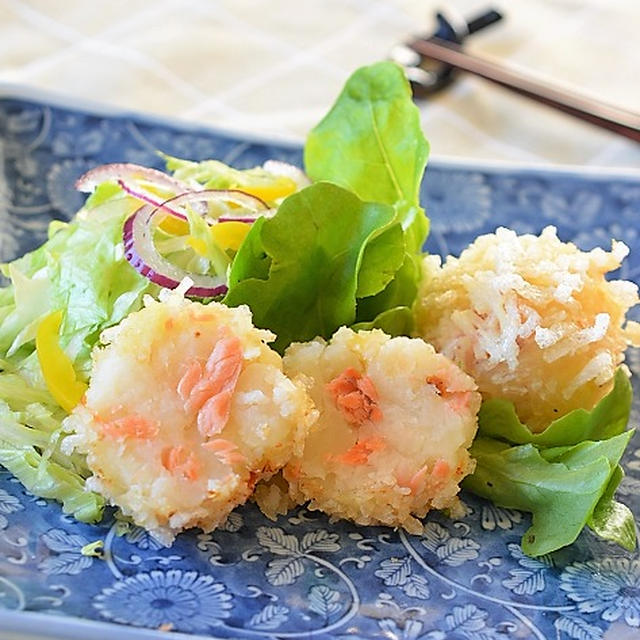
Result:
{"points": [[273, 67]]}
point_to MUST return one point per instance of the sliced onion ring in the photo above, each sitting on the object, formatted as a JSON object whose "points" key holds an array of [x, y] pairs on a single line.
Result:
{"points": [[150, 198], [267, 213], [143, 256], [250, 206], [129, 177], [128, 171]]}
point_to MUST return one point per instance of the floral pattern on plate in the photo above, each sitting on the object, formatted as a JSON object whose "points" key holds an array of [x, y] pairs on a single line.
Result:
{"points": [[305, 575]]}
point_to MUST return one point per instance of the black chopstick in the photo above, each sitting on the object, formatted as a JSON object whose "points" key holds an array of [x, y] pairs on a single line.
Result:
{"points": [[621, 121]]}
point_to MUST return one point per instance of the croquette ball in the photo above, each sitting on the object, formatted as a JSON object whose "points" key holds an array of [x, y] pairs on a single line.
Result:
{"points": [[532, 319], [186, 410], [395, 421]]}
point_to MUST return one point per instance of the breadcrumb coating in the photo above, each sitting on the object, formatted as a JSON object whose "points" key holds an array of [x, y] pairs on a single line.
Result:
{"points": [[532, 319], [186, 411], [395, 421]]}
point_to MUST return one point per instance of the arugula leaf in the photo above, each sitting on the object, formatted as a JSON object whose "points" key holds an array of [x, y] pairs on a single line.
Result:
{"points": [[561, 492], [251, 261], [371, 143], [315, 245], [400, 292], [382, 257], [498, 419], [394, 322]]}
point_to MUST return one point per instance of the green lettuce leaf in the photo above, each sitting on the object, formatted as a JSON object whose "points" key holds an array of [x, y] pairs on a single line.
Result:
{"points": [[400, 292], [612, 520], [82, 270], [371, 143], [497, 419], [394, 322], [561, 492], [383, 256], [251, 261], [315, 245], [565, 476], [48, 479], [30, 439]]}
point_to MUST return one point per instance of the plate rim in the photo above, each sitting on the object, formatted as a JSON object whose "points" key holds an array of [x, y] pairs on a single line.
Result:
{"points": [[63, 627], [52, 98]]}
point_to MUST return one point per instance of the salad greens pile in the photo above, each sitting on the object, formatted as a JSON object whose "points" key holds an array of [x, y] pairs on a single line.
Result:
{"points": [[345, 250]]}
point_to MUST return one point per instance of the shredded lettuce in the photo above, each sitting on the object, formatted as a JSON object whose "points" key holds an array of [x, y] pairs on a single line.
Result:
{"points": [[565, 476], [82, 270], [213, 174], [30, 438]]}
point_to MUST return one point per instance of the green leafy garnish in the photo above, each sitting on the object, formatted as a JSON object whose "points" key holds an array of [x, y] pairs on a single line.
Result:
{"points": [[611, 519], [30, 437], [382, 258], [82, 270], [344, 253], [498, 419], [397, 298], [371, 143], [314, 248], [394, 322], [565, 476]]}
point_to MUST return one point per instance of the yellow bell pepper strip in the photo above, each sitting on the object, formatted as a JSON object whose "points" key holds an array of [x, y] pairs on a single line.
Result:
{"points": [[227, 235], [198, 245], [174, 226], [57, 368], [270, 191]]}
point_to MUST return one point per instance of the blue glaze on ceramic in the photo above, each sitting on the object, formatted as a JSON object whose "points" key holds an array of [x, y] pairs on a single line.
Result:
{"points": [[305, 576]]}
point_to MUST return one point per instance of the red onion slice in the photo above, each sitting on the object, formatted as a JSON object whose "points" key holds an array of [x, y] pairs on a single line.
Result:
{"points": [[250, 206], [131, 177], [143, 256], [248, 219], [150, 198], [130, 172]]}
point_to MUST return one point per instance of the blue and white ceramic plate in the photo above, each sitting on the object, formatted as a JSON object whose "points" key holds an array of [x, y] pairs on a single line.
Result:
{"points": [[305, 576]]}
